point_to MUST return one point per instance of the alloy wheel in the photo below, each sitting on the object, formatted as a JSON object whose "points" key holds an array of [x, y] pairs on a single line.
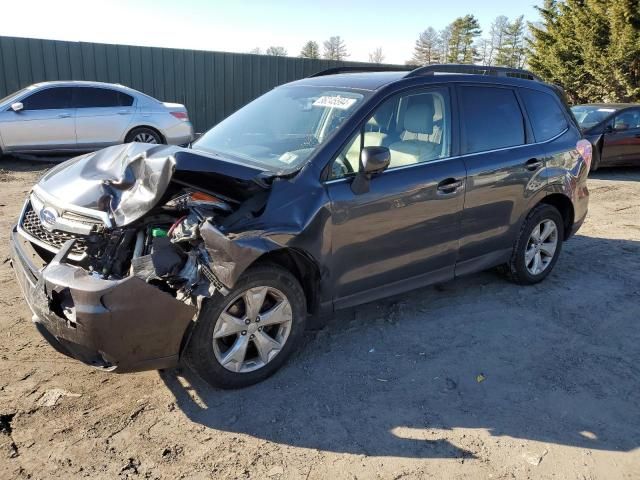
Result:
{"points": [[252, 329], [541, 247], [145, 137]]}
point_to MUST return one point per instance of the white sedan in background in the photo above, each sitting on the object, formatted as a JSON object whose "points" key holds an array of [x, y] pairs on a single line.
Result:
{"points": [[83, 116]]}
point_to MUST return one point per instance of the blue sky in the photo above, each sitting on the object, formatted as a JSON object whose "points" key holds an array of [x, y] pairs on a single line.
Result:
{"points": [[241, 25]]}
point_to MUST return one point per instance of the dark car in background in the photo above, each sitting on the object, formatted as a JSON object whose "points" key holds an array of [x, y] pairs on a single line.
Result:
{"points": [[614, 131], [322, 194]]}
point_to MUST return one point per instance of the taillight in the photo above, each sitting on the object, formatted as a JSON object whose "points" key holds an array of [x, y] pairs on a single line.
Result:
{"points": [[585, 149], [181, 116]]}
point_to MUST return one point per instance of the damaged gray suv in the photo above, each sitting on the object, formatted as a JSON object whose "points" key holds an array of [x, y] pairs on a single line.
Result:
{"points": [[322, 194]]}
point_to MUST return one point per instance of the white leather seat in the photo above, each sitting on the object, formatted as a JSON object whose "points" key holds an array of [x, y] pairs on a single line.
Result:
{"points": [[414, 145]]}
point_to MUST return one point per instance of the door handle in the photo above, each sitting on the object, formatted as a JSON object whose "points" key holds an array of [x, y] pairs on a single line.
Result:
{"points": [[533, 164], [124, 112], [64, 115], [449, 186]]}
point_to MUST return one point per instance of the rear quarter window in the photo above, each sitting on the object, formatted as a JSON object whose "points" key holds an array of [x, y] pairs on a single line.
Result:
{"points": [[491, 119], [545, 114]]}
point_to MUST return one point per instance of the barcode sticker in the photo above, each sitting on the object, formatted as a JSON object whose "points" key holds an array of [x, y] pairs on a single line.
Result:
{"points": [[331, 101]]}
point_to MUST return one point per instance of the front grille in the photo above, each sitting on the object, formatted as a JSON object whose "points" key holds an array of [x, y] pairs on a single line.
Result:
{"points": [[56, 239]]}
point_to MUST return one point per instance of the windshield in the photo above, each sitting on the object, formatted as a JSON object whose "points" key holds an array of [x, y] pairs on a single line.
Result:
{"points": [[590, 115], [281, 129]]}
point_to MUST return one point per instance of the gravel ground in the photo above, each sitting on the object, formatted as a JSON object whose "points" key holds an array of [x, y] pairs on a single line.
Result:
{"points": [[476, 378]]}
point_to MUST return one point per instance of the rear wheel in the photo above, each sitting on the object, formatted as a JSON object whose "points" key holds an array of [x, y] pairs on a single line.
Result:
{"points": [[244, 337], [537, 249], [144, 135]]}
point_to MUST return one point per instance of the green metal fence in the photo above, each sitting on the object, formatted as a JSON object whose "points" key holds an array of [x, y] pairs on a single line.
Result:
{"points": [[212, 85]]}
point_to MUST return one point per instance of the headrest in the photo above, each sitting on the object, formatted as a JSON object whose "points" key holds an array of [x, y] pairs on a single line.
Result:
{"points": [[419, 118]]}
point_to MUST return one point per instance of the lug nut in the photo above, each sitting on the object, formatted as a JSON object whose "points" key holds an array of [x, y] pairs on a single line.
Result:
{"points": [[251, 337], [258, 319], [244, 332], [259, 329], [247, 321]]}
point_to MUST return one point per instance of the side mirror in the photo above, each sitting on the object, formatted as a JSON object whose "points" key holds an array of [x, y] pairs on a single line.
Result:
{"points": [[16, 107], [373, 160]]}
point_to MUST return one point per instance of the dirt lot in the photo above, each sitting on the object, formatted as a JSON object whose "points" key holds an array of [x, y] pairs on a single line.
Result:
{"points": [[389, 390]]}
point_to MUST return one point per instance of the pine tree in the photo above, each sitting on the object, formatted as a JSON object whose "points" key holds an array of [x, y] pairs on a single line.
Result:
{"points": [[496, 38], [511, 52], [589, 47], [310, 50], [426, 50], [464, 31], [335, 49]]}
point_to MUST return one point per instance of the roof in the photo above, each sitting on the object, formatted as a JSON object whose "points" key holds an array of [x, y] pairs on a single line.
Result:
{"points": [[371, 81], [360, 80], [616, 106], [80, 83]]}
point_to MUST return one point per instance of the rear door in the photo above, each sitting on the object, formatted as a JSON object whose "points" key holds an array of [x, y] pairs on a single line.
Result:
{"points": [[503, 164], [45, 122], [622, 140], [102, 115]]}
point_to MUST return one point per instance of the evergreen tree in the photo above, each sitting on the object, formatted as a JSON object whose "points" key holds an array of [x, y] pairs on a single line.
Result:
{"points": [[427, 48], [464, 31], [496, 38], [511, 52], [310, 50], [335, 49], [590, 47]]}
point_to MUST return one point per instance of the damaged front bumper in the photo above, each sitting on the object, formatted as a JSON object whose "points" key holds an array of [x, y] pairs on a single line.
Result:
{"points": [[121, 325]]}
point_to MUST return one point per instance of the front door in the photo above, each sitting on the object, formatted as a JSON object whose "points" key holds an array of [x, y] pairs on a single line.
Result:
{"points": [[622, 141], [403, 232], [45, 122]]}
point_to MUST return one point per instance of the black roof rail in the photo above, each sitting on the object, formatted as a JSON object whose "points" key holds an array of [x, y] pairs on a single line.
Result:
{"points": [[364, 68], [473, 70]]}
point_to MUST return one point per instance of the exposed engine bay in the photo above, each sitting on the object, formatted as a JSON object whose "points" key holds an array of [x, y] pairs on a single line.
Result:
{"points": [[164, 248], [156, 211]]}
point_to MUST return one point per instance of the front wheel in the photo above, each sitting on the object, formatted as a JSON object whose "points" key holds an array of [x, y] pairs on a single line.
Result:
{"points": [[244, 337], [537, 249]]}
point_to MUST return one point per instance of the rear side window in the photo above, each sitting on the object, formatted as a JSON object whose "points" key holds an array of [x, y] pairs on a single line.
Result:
{"points": [[87, 97], [491, 119], [545, 114], [49, 99]]}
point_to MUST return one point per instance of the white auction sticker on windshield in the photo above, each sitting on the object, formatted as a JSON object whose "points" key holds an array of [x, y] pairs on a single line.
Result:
{"points": [[335, 101]]}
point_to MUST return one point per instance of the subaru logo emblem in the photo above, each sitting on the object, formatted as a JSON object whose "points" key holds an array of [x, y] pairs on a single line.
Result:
{"points": [[48, 217]]}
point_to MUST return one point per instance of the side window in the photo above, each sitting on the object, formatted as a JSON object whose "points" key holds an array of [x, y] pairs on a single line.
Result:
{"points": [[49, 99], [125, 100], [627, 120], [545, 114], [491, 119], [415, 127], [89, 97]]}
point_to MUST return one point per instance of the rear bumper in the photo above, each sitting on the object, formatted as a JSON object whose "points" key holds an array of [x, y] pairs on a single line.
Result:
{"points": [[118, 325], [179, 134]]}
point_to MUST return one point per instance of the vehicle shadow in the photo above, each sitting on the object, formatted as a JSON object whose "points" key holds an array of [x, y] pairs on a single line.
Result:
{"points": [[616, 174], [557, 363], [10, 163]]}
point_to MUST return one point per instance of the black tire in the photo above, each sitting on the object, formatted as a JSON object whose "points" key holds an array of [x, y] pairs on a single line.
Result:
{"points": [[199, 353], [516, 270], [144, 131]]}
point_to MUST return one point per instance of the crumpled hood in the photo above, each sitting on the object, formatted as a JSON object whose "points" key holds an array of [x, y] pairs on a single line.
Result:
{"points": [[129, 180]]}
